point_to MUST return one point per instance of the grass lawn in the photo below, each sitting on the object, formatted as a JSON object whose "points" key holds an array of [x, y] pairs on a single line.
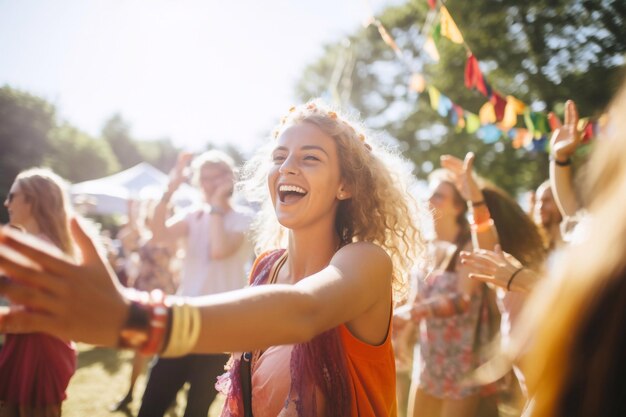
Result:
{"points": [[102, 378]]}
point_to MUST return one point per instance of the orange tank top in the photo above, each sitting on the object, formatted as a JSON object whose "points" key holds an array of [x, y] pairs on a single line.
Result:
{"points": [[373, 373]]}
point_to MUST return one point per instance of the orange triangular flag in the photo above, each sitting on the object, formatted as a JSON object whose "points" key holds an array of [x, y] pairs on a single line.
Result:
{"points": [[512, 109], [487, 113], [417, 83]]}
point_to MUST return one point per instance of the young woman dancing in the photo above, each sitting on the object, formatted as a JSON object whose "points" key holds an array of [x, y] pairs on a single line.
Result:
{"points": [[319, 337]]}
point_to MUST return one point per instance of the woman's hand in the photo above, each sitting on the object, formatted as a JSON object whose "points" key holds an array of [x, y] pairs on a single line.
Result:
{"points": [[497, 268], [566, 138], [75, 301], [180, 172], [464, 177]]}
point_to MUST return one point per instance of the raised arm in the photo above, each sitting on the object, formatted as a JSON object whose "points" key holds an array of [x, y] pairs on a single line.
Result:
{"points": [[483, 231], [224, 241], [565, 140], [161, 229]]}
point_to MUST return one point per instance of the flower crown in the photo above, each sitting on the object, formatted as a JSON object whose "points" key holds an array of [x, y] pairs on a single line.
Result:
{"points": [[314, 109]]}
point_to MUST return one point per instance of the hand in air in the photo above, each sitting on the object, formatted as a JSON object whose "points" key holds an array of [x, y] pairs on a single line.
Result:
{"points": [[491, 267], [464, 177], [565, 138]]}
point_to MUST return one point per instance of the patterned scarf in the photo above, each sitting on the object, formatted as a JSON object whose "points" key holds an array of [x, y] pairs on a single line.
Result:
{"points": [[316, 366]]}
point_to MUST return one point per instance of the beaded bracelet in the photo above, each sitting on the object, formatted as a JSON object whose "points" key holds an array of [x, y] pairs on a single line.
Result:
{"points": [[145, 326], [158, 322]]}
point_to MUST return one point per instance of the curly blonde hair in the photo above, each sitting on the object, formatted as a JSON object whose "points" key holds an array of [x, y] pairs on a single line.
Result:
{"points": [[381, 211]]}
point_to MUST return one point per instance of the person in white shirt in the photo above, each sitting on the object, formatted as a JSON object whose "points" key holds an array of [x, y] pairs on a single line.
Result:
{"points": [[216, 258]]}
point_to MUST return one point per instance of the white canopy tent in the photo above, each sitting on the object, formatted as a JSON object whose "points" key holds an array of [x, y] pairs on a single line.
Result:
{"points": [[110, 195]]}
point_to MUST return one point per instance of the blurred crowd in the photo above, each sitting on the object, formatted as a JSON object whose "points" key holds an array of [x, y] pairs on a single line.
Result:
{"points": [[510, 310]]}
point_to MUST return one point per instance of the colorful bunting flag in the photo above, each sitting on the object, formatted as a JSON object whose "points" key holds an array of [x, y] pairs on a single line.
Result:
{"points": [[497, 109], [472, 122], [520, 137], [436, 33], [474, 77], [539, 145], [554, 121], [528, 121], [514, 107], [417, 83], [457, 116], [434, 95], [499, 104], [537, 123], [431, 49], [585, 127], [489, 133], [449, 29], [588, 132], [445, 105], [487, 113]]}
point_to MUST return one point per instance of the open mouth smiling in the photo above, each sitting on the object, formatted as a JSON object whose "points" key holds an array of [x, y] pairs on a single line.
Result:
{"points": [[289, 194]]}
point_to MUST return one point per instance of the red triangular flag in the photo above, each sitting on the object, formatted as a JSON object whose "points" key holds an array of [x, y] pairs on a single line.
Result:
{"points": [[471, 68], [499, 105], [473, 77]]}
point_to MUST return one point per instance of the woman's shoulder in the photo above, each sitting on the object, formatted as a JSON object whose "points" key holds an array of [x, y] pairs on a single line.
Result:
{"points": [[358, 247], [365, 253]]}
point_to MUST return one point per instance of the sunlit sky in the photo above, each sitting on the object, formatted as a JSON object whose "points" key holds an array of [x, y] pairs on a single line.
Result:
{"points": [[195, 71]]}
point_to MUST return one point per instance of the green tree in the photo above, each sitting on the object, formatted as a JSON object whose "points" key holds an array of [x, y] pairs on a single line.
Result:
{"points": [[78, 157], [160, 153], [25, 121], [116, 132], [540, 51]]}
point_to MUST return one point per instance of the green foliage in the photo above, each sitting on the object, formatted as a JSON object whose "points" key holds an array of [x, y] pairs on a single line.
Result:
{"points": [[79, 157], [160, 153], [130, 151], [31, 135], [25, 121], [116, 132], [541, 51]]}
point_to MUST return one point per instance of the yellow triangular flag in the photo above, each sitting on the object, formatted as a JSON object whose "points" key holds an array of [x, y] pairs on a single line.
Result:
{"points": [[487, 113], [512, 109], [449, 29], [434, 97], [473, 122]]}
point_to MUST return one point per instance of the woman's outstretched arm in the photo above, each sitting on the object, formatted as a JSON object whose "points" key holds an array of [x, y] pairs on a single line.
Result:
{"points": [[84, 301]]}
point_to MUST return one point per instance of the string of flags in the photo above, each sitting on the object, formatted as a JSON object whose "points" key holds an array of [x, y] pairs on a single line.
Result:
{"points": [[498, 116]]}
